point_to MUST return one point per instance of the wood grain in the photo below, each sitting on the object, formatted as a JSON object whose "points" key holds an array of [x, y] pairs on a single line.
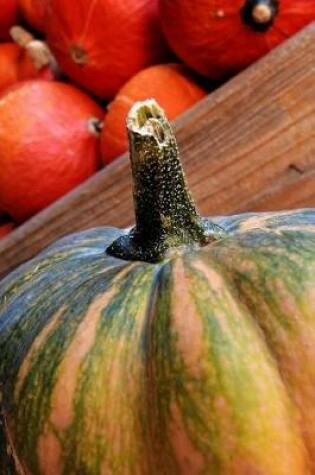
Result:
{"points": [[250, 145]]}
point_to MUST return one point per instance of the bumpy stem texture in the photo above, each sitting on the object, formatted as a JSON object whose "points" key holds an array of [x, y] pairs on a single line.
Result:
{"points": [[166, 218]]}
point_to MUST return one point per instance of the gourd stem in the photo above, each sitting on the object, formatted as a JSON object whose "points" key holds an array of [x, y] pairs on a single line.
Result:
{"points": [[166, 217], [38, 50], [95, 126], [260, 14]]}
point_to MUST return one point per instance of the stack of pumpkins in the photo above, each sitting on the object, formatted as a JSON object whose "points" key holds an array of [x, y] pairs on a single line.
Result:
{"points": [[65, 88], [182, 346]]}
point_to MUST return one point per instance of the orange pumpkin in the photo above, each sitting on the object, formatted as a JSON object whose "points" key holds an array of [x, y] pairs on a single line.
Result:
{"points": [[172, 85], [218, 38], [34, 13], [17, 64], [48, 144], [9, 57], [101, 44], [8, 17]]}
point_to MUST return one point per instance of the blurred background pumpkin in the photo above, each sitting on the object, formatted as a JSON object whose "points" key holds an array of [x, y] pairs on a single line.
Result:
{"points": [[218, 38], [173, 85], [119, 52]]}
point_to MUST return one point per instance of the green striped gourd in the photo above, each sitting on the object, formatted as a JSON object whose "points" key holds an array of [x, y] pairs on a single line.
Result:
{"points": [[185, 346]]}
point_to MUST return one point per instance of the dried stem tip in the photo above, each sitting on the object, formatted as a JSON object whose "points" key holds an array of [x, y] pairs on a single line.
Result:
{"points": [[166, 217]]}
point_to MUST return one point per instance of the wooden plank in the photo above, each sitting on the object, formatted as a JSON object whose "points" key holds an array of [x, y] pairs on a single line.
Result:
{"points": [[250, 145]]}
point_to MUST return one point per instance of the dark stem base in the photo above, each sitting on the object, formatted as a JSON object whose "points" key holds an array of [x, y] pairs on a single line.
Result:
{"points": [[132, 247], [248, 14]]}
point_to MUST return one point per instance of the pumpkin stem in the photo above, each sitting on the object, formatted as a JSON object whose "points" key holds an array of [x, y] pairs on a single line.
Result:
{"points": [[166, 217], [38, 50], [260, 14], [78, 55], [95, 126]]}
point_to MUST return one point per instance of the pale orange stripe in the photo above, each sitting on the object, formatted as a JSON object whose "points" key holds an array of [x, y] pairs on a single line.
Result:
{"points": [[62, 397], [38, 342]]}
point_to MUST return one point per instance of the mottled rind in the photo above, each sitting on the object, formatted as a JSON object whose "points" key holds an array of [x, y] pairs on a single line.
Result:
{"points": [[165, 386]]}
